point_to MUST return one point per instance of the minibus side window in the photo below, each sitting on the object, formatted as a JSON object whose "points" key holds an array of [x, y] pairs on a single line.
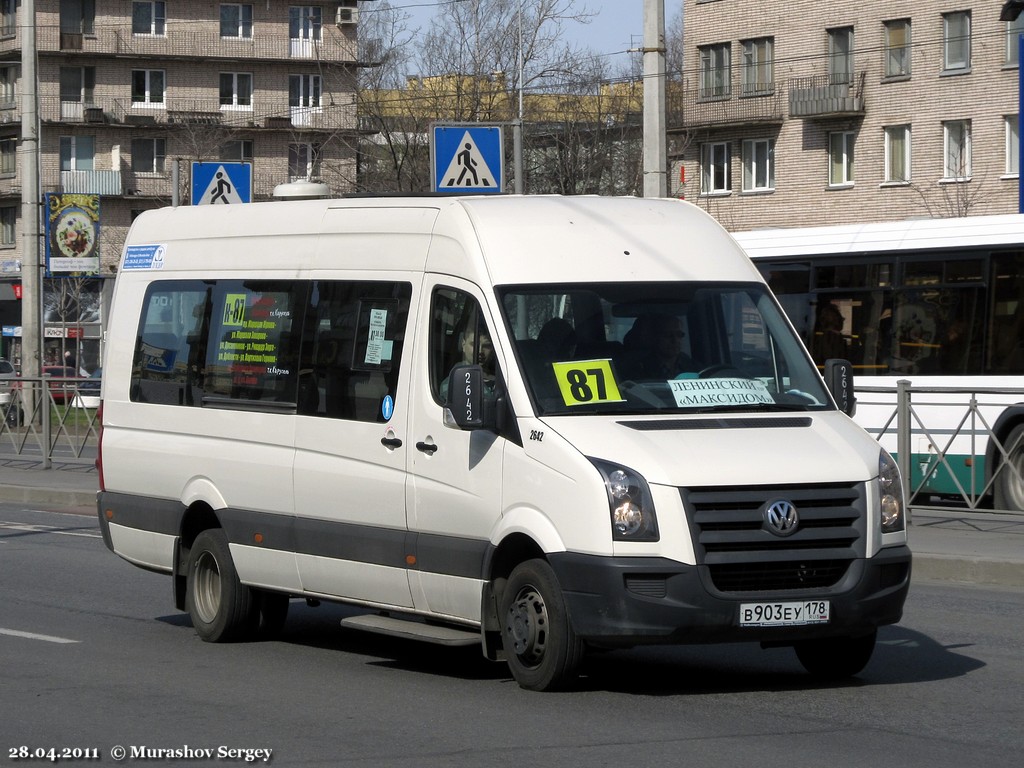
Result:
{"points": [[253, 349], [352, 349], [458, 335], [170, 346]]}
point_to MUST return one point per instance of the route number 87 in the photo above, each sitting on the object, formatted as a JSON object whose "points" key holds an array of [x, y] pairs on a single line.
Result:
{"points": [[586, 381]]}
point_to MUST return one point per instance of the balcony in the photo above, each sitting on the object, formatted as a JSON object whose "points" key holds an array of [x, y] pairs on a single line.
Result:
{"points": [[91, 182], [822, 97], [191, 114], [198, 44], [691, 109]]}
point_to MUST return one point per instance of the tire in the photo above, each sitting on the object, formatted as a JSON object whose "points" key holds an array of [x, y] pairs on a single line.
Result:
{"points": [[221, 607], [835, 658], [1008, 493], [542, 650]]}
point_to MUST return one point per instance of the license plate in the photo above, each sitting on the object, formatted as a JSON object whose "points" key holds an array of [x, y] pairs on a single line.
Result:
{"points": [[784, 614]]}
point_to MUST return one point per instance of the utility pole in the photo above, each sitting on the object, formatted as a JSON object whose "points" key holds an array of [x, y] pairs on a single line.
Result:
{"points": [[655, 150], [31, 265]]}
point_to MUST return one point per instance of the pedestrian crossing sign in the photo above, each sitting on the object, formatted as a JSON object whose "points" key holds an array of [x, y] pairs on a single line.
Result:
{"points": [[468, 159], [221, 183]]}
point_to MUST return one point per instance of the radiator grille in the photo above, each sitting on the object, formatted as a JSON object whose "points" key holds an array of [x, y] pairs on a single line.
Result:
{"points": [[741, 553]]}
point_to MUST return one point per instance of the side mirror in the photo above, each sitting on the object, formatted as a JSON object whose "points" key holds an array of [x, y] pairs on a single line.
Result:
{"points": [[839, 380], [465, 401]]}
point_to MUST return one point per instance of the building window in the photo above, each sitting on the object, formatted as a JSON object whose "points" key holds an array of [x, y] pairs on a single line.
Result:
{"points": [[235, 20], [758, 165], [757, 66], [956, 40], [714, 71], [840, 158], [77, 17], [236, 89], [840, 55], [8, 157], [8, 18], [305, 22], [303, 162], [238, 150], [304, 90], [147, 86], [1012, 123], [897, 153], [149, 17], [77, 84], [148, 155], [714, 168], [8, 79], [897, 48], [8, 217], [77, 153], [956, 142]]}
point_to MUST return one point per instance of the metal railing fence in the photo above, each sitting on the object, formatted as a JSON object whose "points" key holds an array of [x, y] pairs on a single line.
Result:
{"points": [[49, 419]]}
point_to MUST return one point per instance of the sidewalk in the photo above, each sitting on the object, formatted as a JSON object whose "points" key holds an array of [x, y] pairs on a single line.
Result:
{"points": [[954, 545]]}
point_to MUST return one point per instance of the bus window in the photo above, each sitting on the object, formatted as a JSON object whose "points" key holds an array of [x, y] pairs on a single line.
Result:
{"points": [[1006, 338]]}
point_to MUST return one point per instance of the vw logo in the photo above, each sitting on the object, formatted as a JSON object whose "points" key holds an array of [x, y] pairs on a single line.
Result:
{"points": [[781, 517]]}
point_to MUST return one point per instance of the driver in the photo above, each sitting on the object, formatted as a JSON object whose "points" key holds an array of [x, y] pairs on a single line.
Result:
{"points": [[660, 337]]}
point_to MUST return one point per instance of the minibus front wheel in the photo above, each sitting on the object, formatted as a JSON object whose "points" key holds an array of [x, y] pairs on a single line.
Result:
{"points": [[221, 607], [542, 649]]}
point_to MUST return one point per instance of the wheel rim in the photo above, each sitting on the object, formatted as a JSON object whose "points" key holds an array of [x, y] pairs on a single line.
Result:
{"points": [[1015, 478], [206, 587], [527, 626]]}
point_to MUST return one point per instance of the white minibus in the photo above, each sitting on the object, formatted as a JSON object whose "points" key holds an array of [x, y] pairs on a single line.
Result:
{"points": [[543, 425]]}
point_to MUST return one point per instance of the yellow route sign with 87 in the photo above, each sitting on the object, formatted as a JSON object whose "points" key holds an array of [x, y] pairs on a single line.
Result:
{"points": [[583, 382]]}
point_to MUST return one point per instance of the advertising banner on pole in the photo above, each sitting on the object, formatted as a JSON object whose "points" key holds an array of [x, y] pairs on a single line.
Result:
{"points": [[72, 235]]}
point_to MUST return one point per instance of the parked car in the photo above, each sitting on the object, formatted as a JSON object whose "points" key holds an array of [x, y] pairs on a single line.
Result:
{"points": [[63, 391], [91, 386], [8, 375]]}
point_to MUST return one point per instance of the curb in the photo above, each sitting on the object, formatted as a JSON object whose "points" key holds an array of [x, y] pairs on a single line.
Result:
{"points": [[966, 570]]}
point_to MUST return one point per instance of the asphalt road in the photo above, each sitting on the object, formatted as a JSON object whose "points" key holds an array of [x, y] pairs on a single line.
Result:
{"points": [[94, 656]]}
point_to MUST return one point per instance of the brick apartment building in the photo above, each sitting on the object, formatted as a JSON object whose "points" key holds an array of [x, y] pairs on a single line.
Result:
{"points": [[131, 92], [807, 113]]}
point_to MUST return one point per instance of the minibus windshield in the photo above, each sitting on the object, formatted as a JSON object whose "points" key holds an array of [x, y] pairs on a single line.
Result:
{"points": [[642, 348]]}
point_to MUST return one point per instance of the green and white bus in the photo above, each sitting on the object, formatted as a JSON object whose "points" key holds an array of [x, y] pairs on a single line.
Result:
{"points": [[936, 302]]}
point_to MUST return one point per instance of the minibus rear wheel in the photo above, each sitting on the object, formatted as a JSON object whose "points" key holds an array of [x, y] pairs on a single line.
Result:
{"points": [[542, 649], [835, 658], [221, 607]]}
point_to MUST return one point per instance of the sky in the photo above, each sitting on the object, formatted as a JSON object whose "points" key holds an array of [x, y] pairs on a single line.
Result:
{"points": [[618, 25]]}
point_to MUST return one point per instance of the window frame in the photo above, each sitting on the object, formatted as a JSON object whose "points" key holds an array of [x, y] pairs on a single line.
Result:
{"points": [[758, 58], [76, 151], [715, 168], [752, 167], [158, 154], [956, 48], [891, 146], [308, 153], [846, 162], [156, 21], [963, 142], [239, 99], [8, 226], [243, 27], [840, 55], [9, 156], [715, 71], [1011, 127], [897, 56], [143, 92]]}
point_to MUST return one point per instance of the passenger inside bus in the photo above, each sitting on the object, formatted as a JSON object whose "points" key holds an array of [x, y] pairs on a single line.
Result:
{"points": [[828, 341]]}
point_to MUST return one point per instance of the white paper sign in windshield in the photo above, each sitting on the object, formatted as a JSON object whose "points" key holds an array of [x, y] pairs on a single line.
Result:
{"points": [[704, 393]]}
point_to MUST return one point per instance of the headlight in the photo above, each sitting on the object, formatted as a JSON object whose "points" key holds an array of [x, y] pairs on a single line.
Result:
{"points": [[629, 502], [890, 494]]}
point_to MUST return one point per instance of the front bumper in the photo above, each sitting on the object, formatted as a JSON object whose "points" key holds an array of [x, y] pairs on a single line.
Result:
{"points": [[620, 602]]}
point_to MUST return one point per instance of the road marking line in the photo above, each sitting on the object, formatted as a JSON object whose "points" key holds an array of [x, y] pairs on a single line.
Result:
{"points": [[28, 528], [34, 636]]}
